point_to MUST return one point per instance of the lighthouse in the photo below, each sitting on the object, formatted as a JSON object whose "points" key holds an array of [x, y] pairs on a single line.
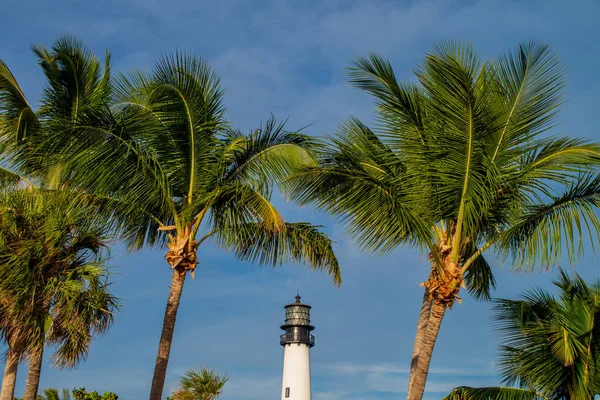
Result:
{"points": [[296, 342]]}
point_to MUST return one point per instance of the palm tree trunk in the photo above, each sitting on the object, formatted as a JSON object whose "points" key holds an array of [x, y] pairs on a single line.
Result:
{"points": [[33, 375], [10, 375], [164, 346], [415, 392], [421, 327]]}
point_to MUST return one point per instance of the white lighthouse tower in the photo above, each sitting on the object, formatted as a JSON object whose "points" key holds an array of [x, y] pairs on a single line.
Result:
{"points": [[296, 342]]}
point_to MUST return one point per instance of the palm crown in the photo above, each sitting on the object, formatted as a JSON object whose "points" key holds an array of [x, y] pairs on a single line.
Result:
{"points": [[77, 92], [551, 345], [170, 169], [459, 163], [200, 384], [169, 165], [53, 282]]}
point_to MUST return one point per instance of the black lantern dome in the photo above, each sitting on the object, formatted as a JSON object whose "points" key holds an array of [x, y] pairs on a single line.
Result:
{"points": [[297, 325]]}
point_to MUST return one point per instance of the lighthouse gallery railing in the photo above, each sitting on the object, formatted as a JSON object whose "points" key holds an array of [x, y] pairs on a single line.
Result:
{"points": [[297, 337]]}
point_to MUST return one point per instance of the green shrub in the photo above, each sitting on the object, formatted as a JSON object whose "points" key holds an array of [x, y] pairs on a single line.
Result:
{"points": [[82, 394]]}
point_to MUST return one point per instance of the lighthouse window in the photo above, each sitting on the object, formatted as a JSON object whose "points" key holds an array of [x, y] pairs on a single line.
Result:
{"points": [[287, 392]]}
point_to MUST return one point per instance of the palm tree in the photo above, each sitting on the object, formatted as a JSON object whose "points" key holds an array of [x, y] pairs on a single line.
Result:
{"points": [[173, 171], [52, 394], [200, 384], [53, 279], [551, 345], [460, 163], [77, 88]]}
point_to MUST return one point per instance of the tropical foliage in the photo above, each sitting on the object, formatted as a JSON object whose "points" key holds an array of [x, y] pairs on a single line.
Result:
{"points": [[551, 345], [76, 88], [461, 161], [53, 281], [200, 384], [53, 394], [82, 394], [78, 394], [168, 168]]}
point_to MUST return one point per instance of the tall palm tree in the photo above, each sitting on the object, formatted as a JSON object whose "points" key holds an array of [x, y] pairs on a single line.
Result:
{"points": [[551, 345], [173, 171], [460, 163], [52, 278], [77, 88], [200, 384]]}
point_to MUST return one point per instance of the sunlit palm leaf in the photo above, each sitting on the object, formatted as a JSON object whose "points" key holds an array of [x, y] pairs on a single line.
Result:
{"points": [[479, 278], [532, 81], [492, 393], [298, 242], [237, 204], [539, 236], [77, 87], [270, 153], [362, 182], [183, 97], [550, 342], [17, 118]]}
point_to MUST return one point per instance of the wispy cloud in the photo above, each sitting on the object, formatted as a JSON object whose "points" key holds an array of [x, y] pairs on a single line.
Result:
{"points": [[393, 378], [350, 369], [393, 384]]}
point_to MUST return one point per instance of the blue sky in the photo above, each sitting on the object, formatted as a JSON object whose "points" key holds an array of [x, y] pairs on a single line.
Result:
{"points": [[288, 58]]}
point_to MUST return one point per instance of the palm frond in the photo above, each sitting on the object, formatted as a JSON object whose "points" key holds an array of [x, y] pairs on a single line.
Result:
{"points": [[51, 394], [531, 81], [492, 393], [77, 85], [183, 97], [19, 125], [548, 342], [18, 121], [297, 242], [81, 314], [401, 105], [124, 172], [235, 205], [456, 82], [270, 153], [362, 182], [52, 252], [552, 160], [200, 383], [539, 236], [479, 278], [10, 178]]}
